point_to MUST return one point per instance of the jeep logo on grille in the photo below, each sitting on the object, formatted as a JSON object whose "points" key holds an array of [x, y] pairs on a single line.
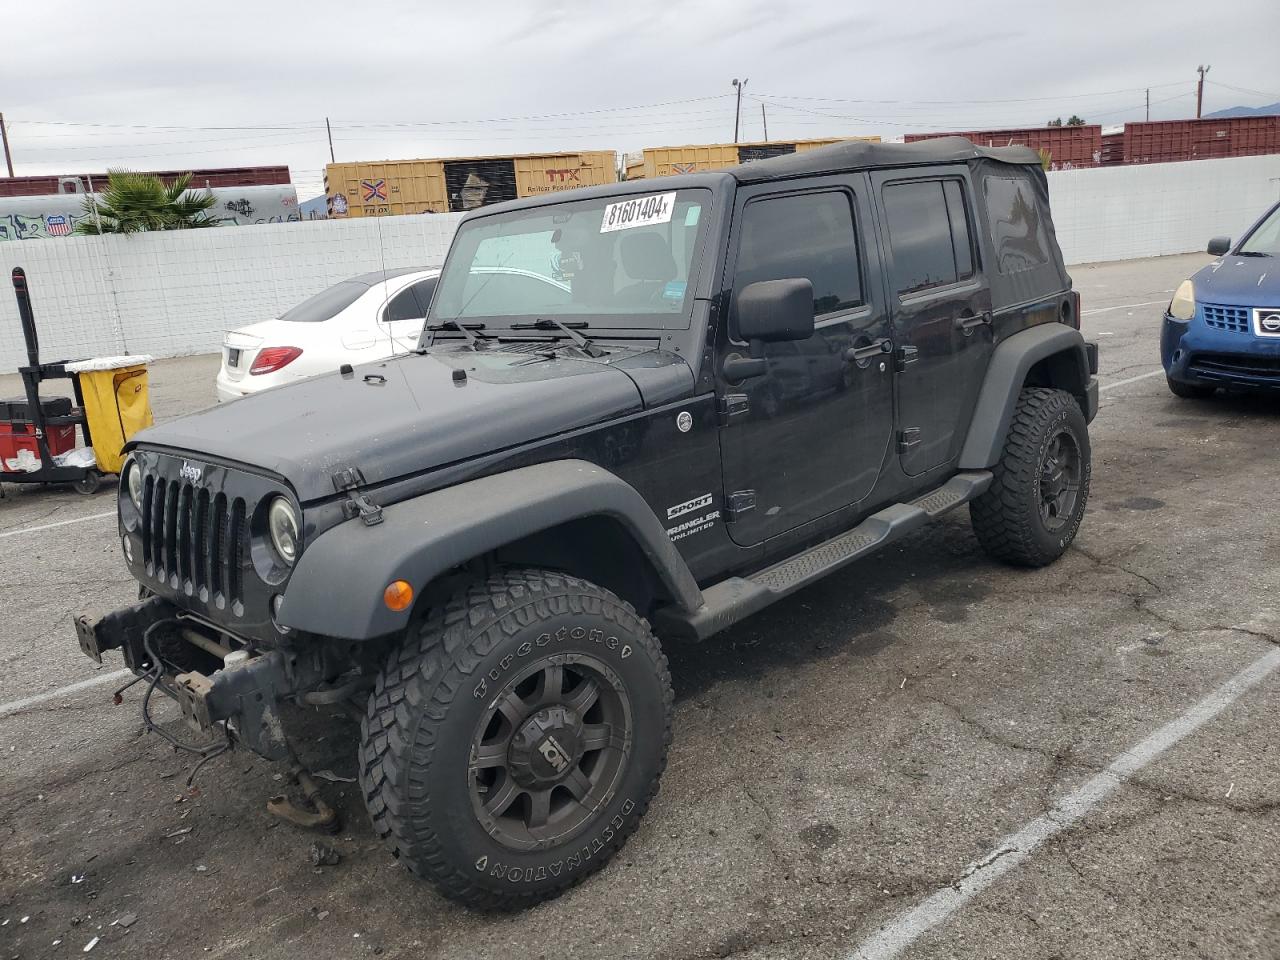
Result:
{"points": [[191, 471], [1269, 322]]}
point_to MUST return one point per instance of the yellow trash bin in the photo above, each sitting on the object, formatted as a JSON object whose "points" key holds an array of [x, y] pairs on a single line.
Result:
{"points": [[116, 404]]}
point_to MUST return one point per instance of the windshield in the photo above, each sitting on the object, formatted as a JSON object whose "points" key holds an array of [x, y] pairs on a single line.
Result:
{"points": [[621, 261], [1265, 239], [327, 303]]}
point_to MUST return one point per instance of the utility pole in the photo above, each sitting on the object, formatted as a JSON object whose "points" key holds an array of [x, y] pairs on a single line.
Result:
{"points": [[1200, 89], [4, 135], [1148, 104], [765, 120], [737, 113], [329, 130]]}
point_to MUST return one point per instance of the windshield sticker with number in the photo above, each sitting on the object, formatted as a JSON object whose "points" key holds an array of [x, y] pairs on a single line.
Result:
{"points": [[638, 212]]}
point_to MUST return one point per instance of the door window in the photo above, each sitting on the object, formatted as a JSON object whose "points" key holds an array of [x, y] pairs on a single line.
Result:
{"points": [[412, 302], [808, 236], [929, 234]]}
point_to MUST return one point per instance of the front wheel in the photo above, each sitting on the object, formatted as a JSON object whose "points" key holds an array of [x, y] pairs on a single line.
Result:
{"points": [[515, 739], [1033, 508]]}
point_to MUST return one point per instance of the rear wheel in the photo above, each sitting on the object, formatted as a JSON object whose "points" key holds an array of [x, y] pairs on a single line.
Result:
{"points": [[1189, 391], [516, 738], [1033, 508]]}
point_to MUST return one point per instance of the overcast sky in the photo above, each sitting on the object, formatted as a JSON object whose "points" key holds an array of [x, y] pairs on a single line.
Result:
{"points": [[84, 86]]}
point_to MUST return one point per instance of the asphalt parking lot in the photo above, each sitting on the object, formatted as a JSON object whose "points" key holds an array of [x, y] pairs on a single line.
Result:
{"points": [[928, 753]]}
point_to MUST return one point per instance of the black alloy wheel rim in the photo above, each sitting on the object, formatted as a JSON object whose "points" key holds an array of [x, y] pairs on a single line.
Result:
{"points": [[549, 751], [1058, 483]]}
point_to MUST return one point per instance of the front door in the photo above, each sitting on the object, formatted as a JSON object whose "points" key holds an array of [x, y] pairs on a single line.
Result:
{"points": [[810, 435], [941, 308]]}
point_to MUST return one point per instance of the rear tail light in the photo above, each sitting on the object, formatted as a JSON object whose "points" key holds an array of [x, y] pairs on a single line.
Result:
{"points": [[272, 359]]}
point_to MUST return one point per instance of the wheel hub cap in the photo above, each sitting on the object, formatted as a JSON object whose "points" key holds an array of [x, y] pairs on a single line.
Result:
{"points": [[546, 748]]}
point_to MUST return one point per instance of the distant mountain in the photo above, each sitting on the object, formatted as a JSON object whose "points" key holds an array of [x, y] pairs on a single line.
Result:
{"points": [[1270, 110]]}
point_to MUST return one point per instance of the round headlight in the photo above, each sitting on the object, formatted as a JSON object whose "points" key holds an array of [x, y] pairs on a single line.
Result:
{"points": [[282, 521], [133, 484], [1183, 305]]}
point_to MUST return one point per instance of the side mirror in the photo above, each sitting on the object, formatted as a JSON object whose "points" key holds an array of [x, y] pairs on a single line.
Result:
{"points": [[769, 311], [776, 310], [1219, 246]]}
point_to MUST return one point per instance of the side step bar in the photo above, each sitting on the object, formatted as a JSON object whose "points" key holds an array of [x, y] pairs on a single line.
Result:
{"points": [[731, 600]]}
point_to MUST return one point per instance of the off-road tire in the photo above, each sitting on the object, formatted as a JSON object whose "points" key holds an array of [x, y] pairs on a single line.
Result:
{"points": [[416, 739], [1007, 517], [1190, 391]]}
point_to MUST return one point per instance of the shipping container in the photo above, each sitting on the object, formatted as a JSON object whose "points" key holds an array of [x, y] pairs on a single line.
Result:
{"points": [[1069, 147], [391, 187], [1113, 147], [49, 184], [663, 161], [1163, 141], [58, 214]]}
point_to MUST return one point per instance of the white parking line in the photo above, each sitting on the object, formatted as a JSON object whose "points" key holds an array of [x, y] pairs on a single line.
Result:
{"points": [[50, 526], [1120, 383], [15, 705], [903, 930], [1122, 306]]}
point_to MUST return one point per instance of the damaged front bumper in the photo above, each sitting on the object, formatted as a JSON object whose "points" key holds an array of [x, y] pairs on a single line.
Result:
{"points": [[211, 682]]}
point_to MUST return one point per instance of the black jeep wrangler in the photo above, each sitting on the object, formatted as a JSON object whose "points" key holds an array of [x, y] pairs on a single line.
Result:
{"points": [[637, 411]]}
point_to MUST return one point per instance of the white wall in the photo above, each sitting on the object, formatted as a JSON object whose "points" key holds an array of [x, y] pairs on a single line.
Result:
{"points": [[169, 294], [1154, 209], [175, 293]]}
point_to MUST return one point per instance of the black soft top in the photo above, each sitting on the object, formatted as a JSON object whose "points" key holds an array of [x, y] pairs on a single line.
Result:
{"points": [[863, 155]]}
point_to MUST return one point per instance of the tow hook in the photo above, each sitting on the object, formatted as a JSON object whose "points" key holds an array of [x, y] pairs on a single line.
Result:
{"points": [[313, 813]]}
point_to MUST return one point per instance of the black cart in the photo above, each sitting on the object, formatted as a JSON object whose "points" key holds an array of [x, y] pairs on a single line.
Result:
{"points": [[34, 416]]}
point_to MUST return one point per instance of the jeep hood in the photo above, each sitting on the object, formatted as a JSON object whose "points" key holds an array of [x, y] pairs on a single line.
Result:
{"points": [[1240, 281], [408, 414]]}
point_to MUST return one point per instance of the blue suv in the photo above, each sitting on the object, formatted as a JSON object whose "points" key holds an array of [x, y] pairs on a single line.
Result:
{"points": [[1222, 328]]}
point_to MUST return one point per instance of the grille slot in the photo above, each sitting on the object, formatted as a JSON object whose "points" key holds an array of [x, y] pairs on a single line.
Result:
{"points": [[195, 541], [1220, 317], [1222, 366]]}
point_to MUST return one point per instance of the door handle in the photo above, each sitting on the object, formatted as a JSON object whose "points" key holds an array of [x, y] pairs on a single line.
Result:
{"points": [[969, 324], [874, 349]]}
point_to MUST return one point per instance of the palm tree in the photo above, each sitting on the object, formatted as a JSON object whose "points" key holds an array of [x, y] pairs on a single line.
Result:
{"points": [[134, 202]]}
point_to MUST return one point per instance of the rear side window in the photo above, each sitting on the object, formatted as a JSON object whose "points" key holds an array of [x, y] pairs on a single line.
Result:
{"points": [[1017, 229], [412, 302], [929, 234], [808, 236], [327, 303]]}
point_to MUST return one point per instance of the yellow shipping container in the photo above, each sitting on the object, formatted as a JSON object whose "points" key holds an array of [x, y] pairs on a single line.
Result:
{"points": [[663, 161], [388, 187]]}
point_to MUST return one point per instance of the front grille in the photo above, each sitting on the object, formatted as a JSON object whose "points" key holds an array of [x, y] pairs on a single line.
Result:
{"points": [[194, 540], [1235, 319], [1243, 369]]}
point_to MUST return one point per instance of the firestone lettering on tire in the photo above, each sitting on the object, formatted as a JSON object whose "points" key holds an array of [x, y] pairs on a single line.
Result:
{"points": [[594, 634]]}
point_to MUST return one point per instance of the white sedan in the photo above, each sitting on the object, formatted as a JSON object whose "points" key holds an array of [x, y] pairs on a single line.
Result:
{"points": [[367, 318]]}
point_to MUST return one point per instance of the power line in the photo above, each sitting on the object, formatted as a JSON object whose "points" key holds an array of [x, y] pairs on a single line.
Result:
{"points": [[1256, 93], [1074, 96]]}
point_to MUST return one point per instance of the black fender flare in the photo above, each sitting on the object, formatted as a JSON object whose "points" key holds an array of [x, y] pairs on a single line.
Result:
{"points": [[337, 587], [1010, 363]]}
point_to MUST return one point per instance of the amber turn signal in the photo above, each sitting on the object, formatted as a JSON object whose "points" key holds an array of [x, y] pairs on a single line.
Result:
{"points": [[398, 595]]}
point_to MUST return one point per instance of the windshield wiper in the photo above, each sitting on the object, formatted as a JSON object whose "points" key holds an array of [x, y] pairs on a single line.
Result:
{"points": [[1252, 253], [568, 329], [463, 328]]}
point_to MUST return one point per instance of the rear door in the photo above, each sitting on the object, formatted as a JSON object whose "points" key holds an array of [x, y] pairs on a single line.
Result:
{"points": [[403, 316], [941, 309], [809, 436]]}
